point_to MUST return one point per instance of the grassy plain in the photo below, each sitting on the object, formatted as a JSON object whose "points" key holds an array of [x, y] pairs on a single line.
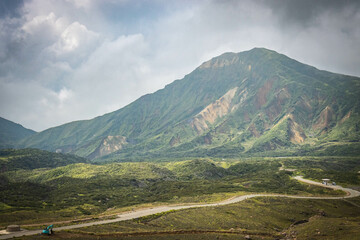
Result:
{"points": [[258, 218], [86, 191]]}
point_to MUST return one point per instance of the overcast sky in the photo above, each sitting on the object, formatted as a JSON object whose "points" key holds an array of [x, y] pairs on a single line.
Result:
{"points": [[66, 60]]}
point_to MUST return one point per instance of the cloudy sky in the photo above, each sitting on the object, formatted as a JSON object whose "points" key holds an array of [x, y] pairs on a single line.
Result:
{"points": [[66, 60]]}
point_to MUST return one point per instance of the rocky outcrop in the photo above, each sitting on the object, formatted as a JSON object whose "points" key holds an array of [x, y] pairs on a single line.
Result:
{"points": [[174, 141], [109, 145], [261, 96], [276, 105], [324, 120], [346, 117], [212, 112], [296, 133], [252, 129]]}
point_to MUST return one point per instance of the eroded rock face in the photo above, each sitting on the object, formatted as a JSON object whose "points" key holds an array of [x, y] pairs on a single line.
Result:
{"points": [[296, 133], [109, 145], [261, 96], [174, 141], [324, 119], [219, 108], [276, 106], [253, 130], [346, 117]]}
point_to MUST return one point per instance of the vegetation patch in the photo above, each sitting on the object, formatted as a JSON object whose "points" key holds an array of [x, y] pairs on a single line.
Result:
{"points": [[277, 217], [85, 190]]}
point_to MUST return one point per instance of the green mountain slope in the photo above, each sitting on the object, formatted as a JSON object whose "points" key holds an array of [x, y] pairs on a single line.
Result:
{"points": [[11, 132], [255, 102]]}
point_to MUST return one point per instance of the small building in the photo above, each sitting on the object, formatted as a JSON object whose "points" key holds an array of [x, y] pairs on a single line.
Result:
{"points": [[326, 181]]}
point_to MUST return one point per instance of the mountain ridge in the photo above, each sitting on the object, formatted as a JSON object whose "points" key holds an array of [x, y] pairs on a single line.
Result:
{"points": [[11, 133], [228, 104]]}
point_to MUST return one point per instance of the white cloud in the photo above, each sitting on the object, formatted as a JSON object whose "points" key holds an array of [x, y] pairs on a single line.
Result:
{"points": [[64, 94], [44, 23], [37, 106], [74, 44], [112, 75], [74, 36]]}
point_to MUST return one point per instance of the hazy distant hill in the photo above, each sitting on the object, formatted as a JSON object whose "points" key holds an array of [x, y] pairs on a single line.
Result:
{"points": [[11, 132], [15, 159], [257, 102]]}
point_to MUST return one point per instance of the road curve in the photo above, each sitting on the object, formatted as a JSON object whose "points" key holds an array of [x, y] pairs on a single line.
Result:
{"points": [[149, 211]]}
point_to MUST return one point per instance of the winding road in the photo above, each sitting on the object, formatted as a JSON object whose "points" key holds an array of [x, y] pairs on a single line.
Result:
{"points": [[145, 212]]}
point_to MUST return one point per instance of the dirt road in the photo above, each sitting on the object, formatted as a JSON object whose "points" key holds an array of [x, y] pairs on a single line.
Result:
{"points": [[145, 212]]}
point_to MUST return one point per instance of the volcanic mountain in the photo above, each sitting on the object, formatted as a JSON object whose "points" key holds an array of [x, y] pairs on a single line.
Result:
{"points": [[257, 102]]}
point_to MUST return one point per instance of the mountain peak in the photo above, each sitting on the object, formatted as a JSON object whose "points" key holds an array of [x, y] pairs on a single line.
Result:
{"points": [[224, 59], [230, 58], [232, 104], [260, 50]]}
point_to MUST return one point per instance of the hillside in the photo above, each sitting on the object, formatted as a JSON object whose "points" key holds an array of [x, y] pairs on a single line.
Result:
{"points": [[12, 159], [257, 102], [11, 132]]}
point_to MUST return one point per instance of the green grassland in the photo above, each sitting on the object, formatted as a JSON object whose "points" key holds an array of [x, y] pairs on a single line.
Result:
{"points": [[181, 235], [259, 218], [343, 170], [85, 190], [258, 215]]}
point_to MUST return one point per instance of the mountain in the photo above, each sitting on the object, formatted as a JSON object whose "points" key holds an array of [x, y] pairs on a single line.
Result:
{"points": [[257, 102], [11, 132]]}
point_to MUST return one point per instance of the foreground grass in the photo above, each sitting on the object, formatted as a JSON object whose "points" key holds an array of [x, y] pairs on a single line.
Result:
{"points": [[85, 191], [80, 213], [263, 214], [199, 182], [182, 235], [260, 218]]}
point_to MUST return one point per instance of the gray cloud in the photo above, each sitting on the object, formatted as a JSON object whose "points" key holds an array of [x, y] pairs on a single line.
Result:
{"points": [[68, 60], [10, 8], [305, 12]]}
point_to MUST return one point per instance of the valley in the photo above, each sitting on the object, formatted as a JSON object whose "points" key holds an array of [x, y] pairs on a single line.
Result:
{"points": [[89, 194], [149, 214]]}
